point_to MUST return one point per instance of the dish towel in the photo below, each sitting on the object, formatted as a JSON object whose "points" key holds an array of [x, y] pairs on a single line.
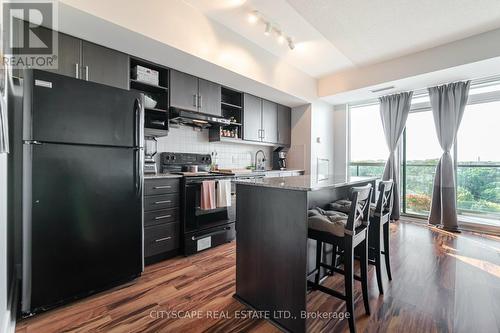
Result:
{"points": [[224, 193], [207, 200]]}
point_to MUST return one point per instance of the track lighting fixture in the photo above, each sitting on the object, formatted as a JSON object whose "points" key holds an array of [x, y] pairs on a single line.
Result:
{"points": [[270, 28]]}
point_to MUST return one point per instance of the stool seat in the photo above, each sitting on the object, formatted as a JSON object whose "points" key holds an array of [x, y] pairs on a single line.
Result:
{"points": [[344, 206], [332, 222]]}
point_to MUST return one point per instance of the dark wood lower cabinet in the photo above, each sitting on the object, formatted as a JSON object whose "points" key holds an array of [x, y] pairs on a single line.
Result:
{"points": [[161, 219], [161, 238]]}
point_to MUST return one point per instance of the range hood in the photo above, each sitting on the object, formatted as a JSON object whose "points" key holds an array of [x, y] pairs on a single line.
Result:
{"points": [[195, 119]]}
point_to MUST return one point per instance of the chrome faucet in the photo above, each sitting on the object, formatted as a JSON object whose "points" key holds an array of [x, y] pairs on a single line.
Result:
{"points": [[262, 165]]}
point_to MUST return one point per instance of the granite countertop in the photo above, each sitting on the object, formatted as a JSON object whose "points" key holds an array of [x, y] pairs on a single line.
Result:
{"points": [[253, 173], [263, 172], [161, 175], [306, 182]]}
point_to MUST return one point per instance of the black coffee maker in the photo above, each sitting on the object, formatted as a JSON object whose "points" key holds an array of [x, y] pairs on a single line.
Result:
{"points": [[279, 158]]}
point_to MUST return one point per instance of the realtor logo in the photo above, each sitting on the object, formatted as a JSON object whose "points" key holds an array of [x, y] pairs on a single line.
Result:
{"points": [[29, 34]]}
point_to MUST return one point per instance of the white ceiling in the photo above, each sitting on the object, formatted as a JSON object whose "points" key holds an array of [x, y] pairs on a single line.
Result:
{"points": [[313, 54], [334, 35], [378, 30]]}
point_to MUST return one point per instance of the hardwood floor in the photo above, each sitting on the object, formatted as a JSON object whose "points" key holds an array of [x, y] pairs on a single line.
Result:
{"points": [[442, 282]]}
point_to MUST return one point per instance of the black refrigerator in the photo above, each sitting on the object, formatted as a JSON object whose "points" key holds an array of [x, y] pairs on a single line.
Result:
{"points": [[82, 184]]}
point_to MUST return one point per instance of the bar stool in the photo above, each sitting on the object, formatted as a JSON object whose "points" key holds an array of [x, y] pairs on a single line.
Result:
{"points": [[378, 230], [345, 232]]}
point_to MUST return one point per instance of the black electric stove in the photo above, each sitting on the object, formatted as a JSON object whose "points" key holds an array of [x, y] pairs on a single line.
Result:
{"points": [[201, 229]]}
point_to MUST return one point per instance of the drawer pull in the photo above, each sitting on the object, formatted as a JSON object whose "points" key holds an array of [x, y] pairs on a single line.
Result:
{"points": [[162, 217], [161, 187], [163, 239], [162, 202]]}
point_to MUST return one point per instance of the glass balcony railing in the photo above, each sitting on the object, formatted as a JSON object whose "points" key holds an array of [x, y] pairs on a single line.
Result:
{"points": [[478, 190]]}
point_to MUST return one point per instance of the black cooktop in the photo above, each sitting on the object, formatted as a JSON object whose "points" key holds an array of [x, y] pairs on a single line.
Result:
{"points": [[178, 163]]}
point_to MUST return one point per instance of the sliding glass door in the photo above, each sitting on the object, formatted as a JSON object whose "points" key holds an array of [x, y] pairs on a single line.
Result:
{"points": [[421, 154], [477, 164]]}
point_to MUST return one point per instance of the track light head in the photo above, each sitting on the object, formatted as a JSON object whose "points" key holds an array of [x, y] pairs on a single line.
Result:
{"points": [[253, 17], [268, 30]]}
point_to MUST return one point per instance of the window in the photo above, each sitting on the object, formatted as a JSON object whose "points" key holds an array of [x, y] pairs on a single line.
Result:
{"points": [[368, 147], [476, 154]]}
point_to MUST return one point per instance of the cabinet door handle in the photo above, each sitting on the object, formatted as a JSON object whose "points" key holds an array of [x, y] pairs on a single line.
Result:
{"points": [[195, 99], [77, 70], [162, 217], [162, 202], [160, 187], [163, 239], [86, 73], [263, 134], [200, 101]]}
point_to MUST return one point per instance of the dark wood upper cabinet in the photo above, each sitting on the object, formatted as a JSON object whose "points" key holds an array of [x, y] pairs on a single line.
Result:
{"points": [[183, 91], [284, 125], [252, 117], [83, 60], [269, 122], [188, 92], [103, 65], [69, 50], [209, 97]]}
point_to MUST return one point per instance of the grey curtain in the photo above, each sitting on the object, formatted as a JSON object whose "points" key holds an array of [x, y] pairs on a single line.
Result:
{"points": [[394, 111], [448, 105]]}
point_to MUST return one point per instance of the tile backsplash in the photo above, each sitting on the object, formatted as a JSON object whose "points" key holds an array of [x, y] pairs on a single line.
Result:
{"points": [[229, 155]]}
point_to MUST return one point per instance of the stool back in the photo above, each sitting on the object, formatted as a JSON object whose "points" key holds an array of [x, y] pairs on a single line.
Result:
{"points": [[385, 200], [360, 207]]}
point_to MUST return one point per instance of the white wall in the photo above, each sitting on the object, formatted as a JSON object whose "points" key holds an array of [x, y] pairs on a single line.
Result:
{"points": [[299, 155], [310, 122], [341, 140], [322, 130]]}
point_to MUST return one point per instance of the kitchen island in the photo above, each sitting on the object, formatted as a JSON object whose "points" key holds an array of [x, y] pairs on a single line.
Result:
{"points": [[272, 247]]}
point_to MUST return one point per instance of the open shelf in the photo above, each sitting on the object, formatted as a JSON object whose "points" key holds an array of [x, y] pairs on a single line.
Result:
{"points": [[140, 85], [231, 108], [155, 109], [224, 104], [156, 121]]}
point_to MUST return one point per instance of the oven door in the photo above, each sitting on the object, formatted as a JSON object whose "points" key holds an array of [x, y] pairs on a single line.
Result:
{"points": [[195, 218]]}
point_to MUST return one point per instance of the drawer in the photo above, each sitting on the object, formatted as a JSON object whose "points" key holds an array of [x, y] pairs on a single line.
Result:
{"points": [[157, 202], [161, 238], [161, 186], [161, 216]]}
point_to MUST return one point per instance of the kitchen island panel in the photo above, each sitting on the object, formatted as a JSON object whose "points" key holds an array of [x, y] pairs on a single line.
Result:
{"points": [[272, 251]]}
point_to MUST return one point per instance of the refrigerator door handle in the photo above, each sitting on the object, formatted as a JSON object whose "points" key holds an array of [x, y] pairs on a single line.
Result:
{"points": [[138, 144], [138, 113], [138, 171]]}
